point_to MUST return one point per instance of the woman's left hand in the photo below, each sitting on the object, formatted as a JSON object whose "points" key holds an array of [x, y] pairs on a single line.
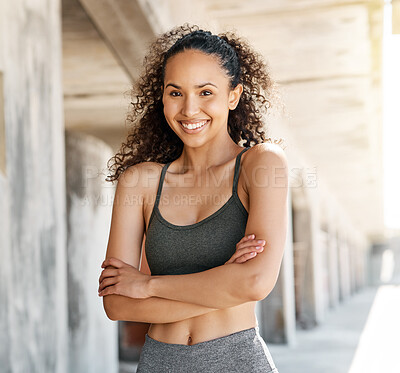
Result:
{"points": [[122, 279]]}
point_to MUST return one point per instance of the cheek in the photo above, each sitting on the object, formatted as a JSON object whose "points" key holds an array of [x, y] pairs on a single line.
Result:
{"points": [[217, 108], [169, 108]]}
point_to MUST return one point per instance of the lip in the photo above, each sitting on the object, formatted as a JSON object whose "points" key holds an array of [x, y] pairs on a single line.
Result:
{"points": [[196, 130]]}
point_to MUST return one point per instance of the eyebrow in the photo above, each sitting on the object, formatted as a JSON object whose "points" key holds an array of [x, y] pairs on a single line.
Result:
{"points": [[196, 86]]}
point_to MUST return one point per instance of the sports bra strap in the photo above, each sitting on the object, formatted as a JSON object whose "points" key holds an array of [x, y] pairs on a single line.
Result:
{"points": [[160, 183], [235, 177], [237, 168]]}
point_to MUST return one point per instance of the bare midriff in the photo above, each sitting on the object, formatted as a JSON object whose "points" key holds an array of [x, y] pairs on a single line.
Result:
{"points": [[212, 325]]}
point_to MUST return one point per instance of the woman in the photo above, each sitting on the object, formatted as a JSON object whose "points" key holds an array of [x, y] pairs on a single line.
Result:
{"points": [[214, 212]]}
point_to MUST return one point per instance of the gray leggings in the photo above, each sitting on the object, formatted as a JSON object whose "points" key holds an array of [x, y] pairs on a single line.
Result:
{"points": [[244, 351]]}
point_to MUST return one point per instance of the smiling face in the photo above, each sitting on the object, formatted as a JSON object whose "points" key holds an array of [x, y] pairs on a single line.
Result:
{"points": [[197, 93]]}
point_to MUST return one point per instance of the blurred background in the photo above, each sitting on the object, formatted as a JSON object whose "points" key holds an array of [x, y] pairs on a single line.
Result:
{"points": [[65, 68]]}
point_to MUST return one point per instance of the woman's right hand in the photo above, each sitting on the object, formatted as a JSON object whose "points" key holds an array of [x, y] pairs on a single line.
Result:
{"points": [[246, 249]]}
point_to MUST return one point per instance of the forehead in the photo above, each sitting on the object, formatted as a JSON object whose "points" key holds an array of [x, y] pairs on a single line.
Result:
{"points": [[191, 65]]}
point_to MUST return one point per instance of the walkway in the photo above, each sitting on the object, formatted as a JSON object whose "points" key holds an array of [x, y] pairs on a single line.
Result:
{"points": [[362, 335]]}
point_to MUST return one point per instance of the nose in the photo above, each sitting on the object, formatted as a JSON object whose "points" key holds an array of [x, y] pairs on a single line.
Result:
{"points": [[190, 106]]}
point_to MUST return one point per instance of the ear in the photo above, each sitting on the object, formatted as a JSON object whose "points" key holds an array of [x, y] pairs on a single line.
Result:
{"points": [[234, 96]]}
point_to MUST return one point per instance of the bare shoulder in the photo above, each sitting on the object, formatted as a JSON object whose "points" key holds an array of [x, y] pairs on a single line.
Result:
{"points": [[266, 154], [265, 163], [140, 175], [140, 181]]}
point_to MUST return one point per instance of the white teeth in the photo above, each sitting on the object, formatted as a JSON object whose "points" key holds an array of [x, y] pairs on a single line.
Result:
{"points": [[192, 126]]}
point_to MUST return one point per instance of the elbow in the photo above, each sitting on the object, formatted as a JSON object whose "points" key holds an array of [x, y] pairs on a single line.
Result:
{"points": [[262, 287], [109, 307]]}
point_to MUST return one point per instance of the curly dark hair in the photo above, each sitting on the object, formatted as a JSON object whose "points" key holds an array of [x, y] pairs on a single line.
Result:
{"points": [[151, 139]]}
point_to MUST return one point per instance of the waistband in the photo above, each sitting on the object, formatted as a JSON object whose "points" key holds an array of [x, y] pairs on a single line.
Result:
{"points": [[227, 340]]}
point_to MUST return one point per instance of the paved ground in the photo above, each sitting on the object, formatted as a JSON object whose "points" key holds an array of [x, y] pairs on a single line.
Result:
{"points": [[362, 335]]}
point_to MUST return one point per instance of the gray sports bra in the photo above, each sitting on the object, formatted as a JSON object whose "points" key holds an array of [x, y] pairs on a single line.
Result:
{"points": [[180, 249]]}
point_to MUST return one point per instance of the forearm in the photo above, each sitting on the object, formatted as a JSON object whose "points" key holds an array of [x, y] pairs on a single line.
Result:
{"points": [[221, 287], [150, 310]]}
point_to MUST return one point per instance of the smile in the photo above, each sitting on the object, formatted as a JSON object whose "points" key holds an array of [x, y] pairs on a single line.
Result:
{"points": [[194, 127]]}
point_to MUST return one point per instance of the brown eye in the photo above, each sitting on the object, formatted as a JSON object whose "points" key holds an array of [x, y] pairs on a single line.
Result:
{"points": [[210, 93], [172, 94]]}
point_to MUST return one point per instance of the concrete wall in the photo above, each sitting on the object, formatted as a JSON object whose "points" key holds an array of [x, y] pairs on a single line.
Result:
{"points": [[93, 338], [33, 292], [51, 247]]}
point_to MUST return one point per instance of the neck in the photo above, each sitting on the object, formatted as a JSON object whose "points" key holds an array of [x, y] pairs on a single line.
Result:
{"points": [[200, 159]]}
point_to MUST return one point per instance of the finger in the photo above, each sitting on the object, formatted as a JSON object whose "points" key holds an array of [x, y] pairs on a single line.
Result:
{"points": [[108, 272], [246, 257], [248, 237], [108, 290], [250, 243], [246, 250], [246, 244], [105, 291], [107, 282], [113, 262]]}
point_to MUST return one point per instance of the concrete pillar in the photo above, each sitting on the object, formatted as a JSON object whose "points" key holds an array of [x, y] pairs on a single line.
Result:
{"points": [[344, 268], [317, 256], [276, 313], [289, 307], [333, 267], [33, 293], [352, 265], [376, 263], [359, 266], [364, 264], [323, 238], [303, 267], [93, 337]]}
